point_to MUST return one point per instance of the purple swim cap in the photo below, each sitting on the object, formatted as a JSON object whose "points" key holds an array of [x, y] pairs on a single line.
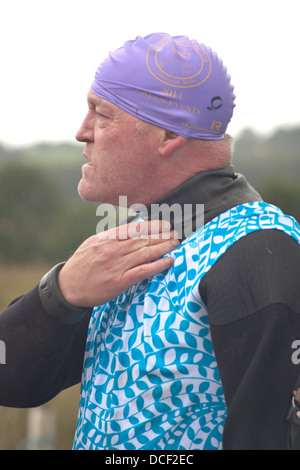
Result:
{"points": [[171, 82]]}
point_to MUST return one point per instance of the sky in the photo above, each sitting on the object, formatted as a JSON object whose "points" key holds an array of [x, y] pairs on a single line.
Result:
{"points": [[50, 51]]}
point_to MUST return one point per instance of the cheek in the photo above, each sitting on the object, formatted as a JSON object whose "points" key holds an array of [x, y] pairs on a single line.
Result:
{"points": [[110, 156]]}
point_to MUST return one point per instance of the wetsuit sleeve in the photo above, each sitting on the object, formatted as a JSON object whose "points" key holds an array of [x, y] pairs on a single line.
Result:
{"points": [[253, 299], [43, 356]]}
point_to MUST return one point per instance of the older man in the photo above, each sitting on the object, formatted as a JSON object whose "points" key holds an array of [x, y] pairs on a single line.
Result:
{"points": [[200, 337]]}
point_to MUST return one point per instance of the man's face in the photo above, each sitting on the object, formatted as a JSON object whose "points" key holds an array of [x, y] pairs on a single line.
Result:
{"points": [[121, 151]]}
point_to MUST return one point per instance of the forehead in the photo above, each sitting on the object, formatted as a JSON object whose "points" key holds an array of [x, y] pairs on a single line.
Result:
{"points": [[96, 101], [101, 104]]}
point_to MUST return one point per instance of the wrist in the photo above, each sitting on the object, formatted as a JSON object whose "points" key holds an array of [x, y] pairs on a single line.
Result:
{"points": [[55, 303]]}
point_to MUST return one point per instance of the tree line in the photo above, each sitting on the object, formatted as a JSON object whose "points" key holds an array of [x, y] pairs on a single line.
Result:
{"points": [[43, 220]]}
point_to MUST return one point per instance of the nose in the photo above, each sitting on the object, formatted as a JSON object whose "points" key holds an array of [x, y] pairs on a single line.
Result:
{"points": [[86, 131]]}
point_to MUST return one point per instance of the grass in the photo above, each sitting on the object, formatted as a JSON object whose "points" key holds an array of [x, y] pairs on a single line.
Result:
{"points": [[14, 281]]}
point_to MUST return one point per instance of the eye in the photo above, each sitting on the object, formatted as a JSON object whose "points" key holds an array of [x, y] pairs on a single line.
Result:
{"points": [[102, 119]]}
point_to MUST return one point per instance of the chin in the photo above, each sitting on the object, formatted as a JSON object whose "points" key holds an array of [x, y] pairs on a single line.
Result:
{"points": [[85, 192]]}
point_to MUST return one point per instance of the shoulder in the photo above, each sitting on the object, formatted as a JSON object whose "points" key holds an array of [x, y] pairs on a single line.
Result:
{"points": [[260, 269]]}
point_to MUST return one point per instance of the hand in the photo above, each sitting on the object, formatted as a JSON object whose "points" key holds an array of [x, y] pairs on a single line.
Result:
{"points": [[106, 264]]}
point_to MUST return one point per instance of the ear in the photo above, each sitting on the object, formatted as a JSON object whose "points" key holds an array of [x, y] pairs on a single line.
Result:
{"points": [[169, 143]]}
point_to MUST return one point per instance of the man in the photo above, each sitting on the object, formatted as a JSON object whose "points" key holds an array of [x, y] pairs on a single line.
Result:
{"points": [[194, 353]]}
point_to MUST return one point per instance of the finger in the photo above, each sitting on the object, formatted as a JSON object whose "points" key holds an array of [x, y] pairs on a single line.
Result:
{"points": [[149, 253], [135, 244], [137, 229], [145, 271], [150, 228]]}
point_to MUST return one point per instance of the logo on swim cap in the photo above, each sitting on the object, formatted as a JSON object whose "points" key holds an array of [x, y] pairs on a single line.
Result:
{"points": [[172, 82], [178, 63]]}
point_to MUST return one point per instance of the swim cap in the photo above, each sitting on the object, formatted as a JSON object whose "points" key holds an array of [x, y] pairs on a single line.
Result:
{"points": [[171, 82]]}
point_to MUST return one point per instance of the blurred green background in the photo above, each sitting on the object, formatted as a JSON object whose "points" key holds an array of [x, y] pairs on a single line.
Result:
{"points": [[43, 220]]}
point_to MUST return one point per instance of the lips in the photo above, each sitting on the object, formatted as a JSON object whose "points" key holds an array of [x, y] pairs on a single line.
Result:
{"points": [[90, 163]]}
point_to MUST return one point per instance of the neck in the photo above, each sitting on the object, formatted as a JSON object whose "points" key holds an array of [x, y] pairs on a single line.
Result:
{"points": [[193, 158], [201, 198]]}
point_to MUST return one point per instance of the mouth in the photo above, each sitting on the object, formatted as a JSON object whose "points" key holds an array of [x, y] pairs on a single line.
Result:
{"points": [[89, 162]]}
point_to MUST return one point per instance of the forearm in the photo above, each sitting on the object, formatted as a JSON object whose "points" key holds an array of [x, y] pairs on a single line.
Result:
{"points": [[45, 330], [43, 355]]}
